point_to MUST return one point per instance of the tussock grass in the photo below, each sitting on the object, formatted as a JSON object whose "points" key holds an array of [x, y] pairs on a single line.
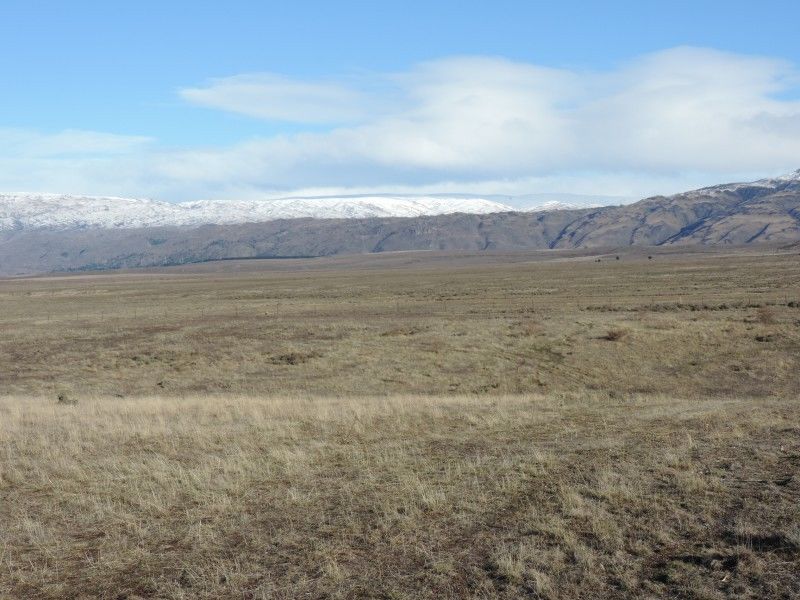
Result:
{"points": [[560, 496], [614, 335]]}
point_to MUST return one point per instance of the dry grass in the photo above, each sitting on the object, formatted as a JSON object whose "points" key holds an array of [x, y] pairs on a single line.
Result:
{"points": [[573, 496], [408, 430], [694, 325]]}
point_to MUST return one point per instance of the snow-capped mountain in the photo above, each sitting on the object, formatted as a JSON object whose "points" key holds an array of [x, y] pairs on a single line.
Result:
{"points": [[23, 212], [64, 212], [789, 181]]}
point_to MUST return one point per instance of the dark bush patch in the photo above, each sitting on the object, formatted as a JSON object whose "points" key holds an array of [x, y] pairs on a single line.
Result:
{"points": [[293, 358]]}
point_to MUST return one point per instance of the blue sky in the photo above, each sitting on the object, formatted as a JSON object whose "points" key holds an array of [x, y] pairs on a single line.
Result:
{"points": [[183, 100]]}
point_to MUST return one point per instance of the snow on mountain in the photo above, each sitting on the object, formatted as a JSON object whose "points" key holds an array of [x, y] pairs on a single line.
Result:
{"points": [[792, 177], [559, 205], [63, 212], [60, 212], [789, 180]]}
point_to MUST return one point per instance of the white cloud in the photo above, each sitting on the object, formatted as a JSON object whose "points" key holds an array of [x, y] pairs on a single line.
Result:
{"points": [[660, 123], [72, 161], [270, 96], [693, 109], [475, 118], [70, 142]]}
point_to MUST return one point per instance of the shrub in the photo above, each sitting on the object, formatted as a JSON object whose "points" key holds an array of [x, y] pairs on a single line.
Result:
{"points": [[614, 335]]}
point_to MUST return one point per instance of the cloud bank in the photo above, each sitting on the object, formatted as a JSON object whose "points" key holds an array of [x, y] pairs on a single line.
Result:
{"points": [[675, 118]]}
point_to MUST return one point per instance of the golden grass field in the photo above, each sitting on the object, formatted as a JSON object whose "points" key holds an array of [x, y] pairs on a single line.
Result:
{"points": [[412, 425]]}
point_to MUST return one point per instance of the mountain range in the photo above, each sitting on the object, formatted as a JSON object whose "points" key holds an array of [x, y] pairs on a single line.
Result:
{"points": [[45, 233], [58, 212]]}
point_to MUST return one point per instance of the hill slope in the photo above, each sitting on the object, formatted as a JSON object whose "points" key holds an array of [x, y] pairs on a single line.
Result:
{"points": [[767, 210]]}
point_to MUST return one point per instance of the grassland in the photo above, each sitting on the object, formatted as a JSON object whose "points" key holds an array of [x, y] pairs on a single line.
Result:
{"points": [[706, 324], [406, 426]]}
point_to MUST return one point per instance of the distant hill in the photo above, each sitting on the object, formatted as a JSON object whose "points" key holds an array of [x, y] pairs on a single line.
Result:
{"points": [[764, 211]]}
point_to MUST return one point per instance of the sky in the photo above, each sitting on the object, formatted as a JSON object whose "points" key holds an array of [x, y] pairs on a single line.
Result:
{"points": [[197, 100]]}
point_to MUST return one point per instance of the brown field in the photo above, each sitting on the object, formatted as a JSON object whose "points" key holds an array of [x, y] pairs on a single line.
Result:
{"points": [[412, 425]]}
